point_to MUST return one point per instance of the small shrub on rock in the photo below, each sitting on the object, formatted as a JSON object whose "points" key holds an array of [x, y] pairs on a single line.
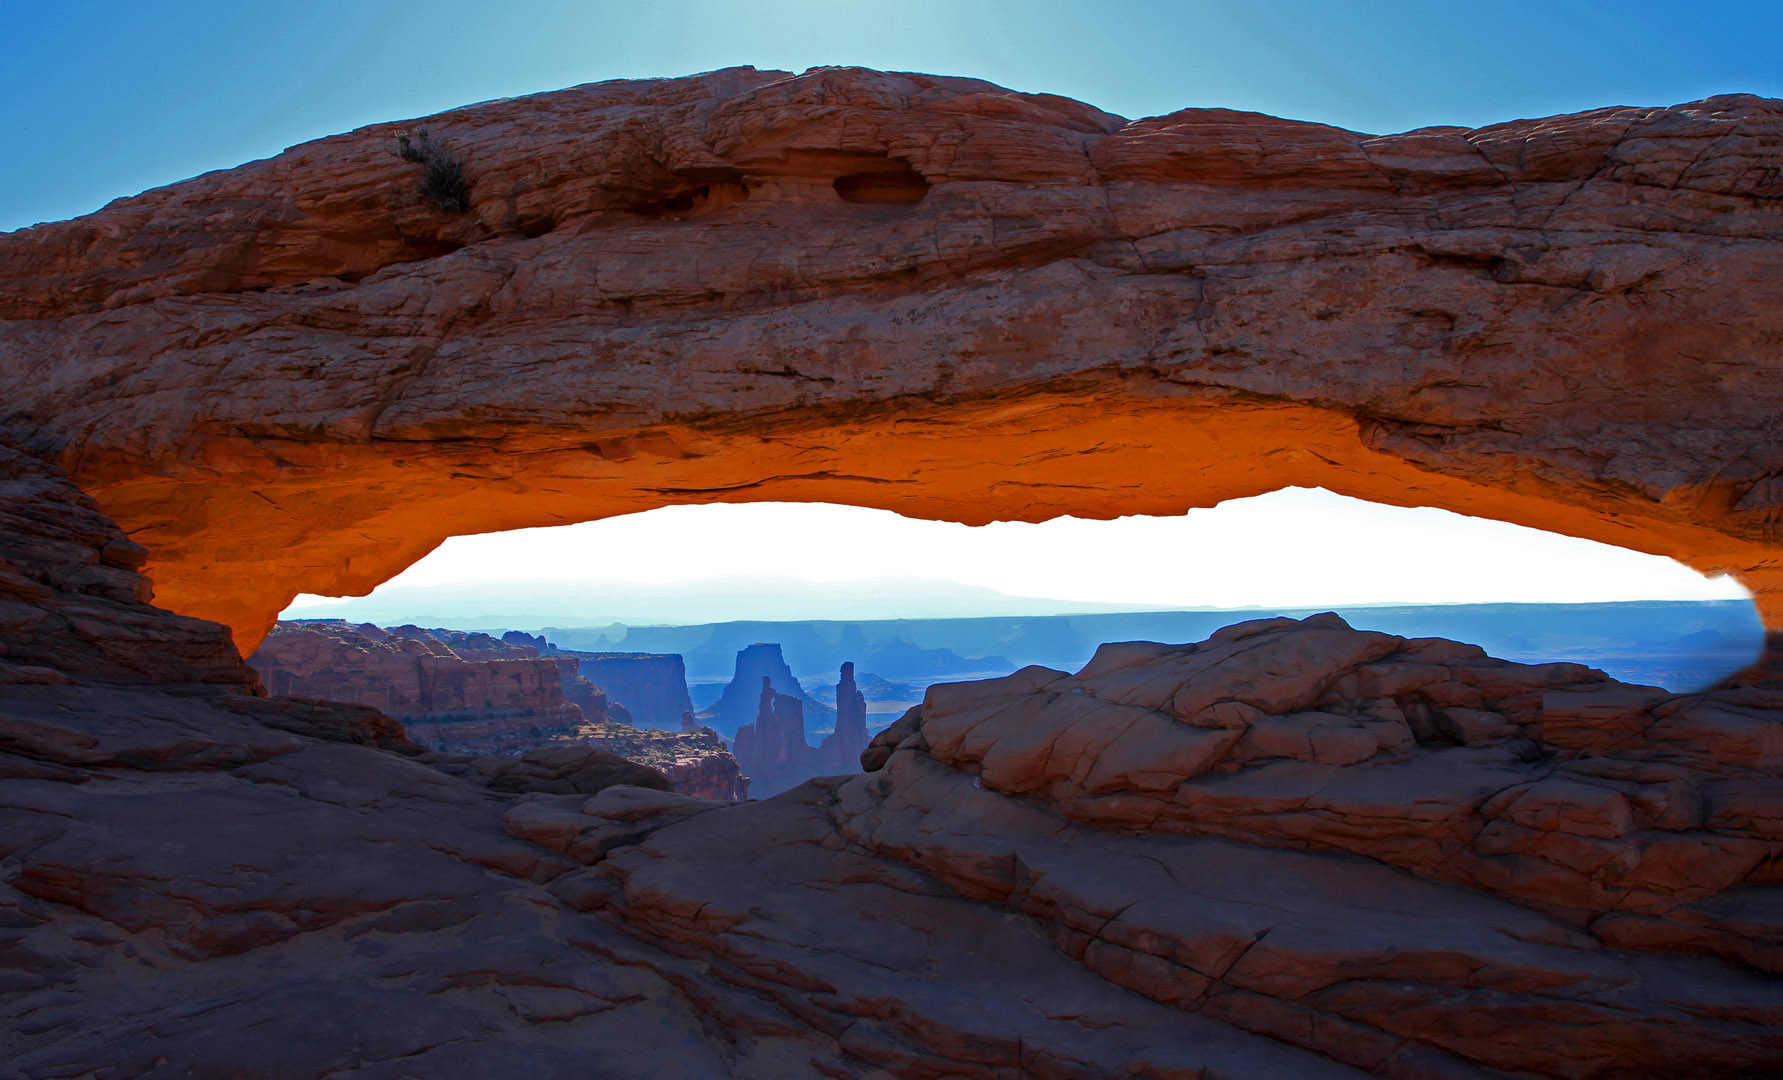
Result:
{"points": [[443, 182]]}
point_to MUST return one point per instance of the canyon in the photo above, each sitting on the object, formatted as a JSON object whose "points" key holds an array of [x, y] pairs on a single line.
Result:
{"points": [[1293, 848], [425, 678], [470, 693]]}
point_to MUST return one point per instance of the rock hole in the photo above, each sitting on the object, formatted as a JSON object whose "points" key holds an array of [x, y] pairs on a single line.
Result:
{"points": [[902, 186], [424, 247], [712, 194], [1429, 726]]}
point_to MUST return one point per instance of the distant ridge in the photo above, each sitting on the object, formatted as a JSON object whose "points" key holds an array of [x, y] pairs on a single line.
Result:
{"points": [[599, 603], [1679, 644]]}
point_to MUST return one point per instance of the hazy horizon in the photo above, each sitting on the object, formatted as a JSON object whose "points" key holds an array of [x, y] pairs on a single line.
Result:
{"points": [[544, 603], [597, 602], [1294, 548]]}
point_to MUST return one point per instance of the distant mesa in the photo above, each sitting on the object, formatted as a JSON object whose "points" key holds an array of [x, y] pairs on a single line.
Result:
{"points": [[1681, 645], [652, 685], [740, 703], [454, 685]]}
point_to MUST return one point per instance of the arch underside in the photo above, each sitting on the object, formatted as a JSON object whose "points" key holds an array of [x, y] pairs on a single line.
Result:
{"points": [[366, 513]]}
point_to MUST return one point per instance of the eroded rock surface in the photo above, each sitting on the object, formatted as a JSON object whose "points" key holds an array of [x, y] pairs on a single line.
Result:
{"points": [[469, 695], [473, 689], [927, 294], [74, 604], [695, 762], [1293, 850]]}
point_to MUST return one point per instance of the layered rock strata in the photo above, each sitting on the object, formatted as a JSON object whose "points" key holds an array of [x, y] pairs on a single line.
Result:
{"points": [[1294, 850], [75, 605], [1402, 854], [475, 694], [471, 694], [927, 294], [695, 761]]}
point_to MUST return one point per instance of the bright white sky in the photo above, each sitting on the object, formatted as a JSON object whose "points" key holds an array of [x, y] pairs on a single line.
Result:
{"points": [[1299, 547]]}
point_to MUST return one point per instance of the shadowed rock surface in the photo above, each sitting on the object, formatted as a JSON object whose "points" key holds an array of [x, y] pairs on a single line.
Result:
{"points": [[695, 762], [931, 295], [471, 694], [1292, 850], [652, 686]]}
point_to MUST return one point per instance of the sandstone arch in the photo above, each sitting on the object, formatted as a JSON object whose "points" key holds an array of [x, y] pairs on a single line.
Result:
{"points": [[301, 374]]}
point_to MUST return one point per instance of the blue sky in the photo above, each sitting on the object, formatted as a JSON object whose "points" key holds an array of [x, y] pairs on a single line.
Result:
{"points": [[106, 99]]}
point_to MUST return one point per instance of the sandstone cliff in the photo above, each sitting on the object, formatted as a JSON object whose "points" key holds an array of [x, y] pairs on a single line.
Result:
{"points": [[73, 602], [695, 762], [652, 686], [450, 694], [1292, 850], [926, 294], [471, 694]]}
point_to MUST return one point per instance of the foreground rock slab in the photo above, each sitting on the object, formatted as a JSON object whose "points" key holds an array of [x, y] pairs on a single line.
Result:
{"points": [[1293, 850]]}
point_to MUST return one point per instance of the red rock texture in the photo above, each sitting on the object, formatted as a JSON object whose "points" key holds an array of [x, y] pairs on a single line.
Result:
{"points": [[926, 294], [470, 694], [1293, 850], [580, 691], [696, 762], [74, 605], [1636, 814], [413, 676], [1556, 881]]}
